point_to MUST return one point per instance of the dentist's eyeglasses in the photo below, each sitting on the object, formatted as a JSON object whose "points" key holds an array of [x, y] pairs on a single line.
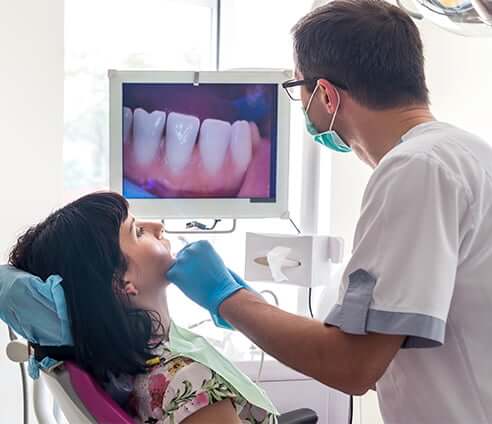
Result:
{"points": [[293, 86]]}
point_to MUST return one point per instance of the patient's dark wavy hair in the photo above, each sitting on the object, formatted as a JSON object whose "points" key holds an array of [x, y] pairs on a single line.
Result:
{"points": [[80, 242]]}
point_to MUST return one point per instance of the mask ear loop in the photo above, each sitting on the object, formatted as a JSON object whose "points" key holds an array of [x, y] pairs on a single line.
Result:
{"points": [[311, 98], [336, 110]]}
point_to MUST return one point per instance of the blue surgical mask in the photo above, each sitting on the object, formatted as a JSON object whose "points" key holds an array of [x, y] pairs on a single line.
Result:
{"points": [[329, 138]]}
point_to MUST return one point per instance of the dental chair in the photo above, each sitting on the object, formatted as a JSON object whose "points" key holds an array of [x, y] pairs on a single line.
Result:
{"points": [[83, 401], [73, 390]]}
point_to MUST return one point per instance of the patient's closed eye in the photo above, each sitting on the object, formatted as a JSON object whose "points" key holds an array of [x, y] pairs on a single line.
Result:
{"points": [[140, 231]]}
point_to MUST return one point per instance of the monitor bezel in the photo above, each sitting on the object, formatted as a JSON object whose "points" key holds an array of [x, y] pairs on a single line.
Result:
{"points": [[211, 207]]}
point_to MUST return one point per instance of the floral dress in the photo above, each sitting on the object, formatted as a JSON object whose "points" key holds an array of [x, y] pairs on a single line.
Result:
{"points": [[176, 387]]}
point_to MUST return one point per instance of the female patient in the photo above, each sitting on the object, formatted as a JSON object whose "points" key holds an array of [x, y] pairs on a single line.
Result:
{"points": [[113, 269]]}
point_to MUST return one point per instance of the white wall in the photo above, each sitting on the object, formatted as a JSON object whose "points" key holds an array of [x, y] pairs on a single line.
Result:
{"points": [[31, 135], [459, 75]]}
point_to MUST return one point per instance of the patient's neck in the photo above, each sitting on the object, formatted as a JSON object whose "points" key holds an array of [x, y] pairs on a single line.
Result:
{"points": [[156, 301]]}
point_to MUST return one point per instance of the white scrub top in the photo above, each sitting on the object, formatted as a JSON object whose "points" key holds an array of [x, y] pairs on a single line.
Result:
{"points": [[422, 267]]}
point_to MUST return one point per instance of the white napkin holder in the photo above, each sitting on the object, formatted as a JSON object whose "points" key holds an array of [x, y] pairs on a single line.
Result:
{"points": [[304, 260]]}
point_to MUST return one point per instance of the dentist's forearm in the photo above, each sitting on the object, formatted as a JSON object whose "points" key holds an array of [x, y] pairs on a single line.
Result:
{"points": [[303, 344], [350, 363]]}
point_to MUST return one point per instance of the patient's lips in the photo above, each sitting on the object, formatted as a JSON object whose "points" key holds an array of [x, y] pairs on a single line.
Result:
{"points": [[187, 160]]}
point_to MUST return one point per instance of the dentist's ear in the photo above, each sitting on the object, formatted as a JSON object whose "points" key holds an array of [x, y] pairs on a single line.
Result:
{"points": [[329, 95]]}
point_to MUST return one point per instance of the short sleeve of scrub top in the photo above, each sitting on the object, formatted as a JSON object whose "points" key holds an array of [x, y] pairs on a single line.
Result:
{"points": [[400, 279]]}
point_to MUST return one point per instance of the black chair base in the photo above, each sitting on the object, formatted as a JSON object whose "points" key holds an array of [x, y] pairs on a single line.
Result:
{"points": [[299, 416]]}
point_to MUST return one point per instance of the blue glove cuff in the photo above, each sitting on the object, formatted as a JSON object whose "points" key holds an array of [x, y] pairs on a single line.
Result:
{"points": [[217, 319], [221, 322]]}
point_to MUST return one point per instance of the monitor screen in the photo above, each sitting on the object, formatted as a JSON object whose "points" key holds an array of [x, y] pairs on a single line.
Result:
{"points": [[212, 140]]}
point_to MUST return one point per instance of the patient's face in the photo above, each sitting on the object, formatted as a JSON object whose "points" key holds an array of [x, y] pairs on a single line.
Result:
{"points": [[148, 254]]}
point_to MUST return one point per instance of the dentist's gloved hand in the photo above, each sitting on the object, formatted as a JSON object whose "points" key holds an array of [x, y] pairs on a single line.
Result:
{"points": [[200, 274]]}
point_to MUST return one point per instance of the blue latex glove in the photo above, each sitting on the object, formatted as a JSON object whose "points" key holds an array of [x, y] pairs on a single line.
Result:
{"points": [[218, 320], [200, 273]]}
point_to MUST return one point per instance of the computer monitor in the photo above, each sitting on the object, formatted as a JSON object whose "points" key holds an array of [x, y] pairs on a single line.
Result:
{"points": [[200, 145]]}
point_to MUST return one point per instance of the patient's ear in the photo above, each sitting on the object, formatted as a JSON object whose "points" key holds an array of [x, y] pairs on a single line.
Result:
{"points": [[129, 288], [126, 286]]}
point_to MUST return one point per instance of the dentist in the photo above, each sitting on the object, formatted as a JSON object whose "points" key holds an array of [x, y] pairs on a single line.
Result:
{"points": [[413, 313]]}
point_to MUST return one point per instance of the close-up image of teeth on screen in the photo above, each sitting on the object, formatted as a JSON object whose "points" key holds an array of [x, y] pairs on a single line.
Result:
{"points": [[206, 141]]}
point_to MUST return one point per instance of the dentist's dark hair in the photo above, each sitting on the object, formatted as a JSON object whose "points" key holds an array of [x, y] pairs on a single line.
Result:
{"points": [[80, 242], [370, 46]]}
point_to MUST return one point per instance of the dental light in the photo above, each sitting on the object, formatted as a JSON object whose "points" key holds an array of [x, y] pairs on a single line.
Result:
{"points": [[470, 18]]}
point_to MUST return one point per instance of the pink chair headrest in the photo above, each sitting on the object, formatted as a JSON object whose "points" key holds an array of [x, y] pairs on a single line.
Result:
{"points": [[102, 407]]}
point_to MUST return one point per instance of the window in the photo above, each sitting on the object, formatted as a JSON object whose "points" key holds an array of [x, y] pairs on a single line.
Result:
{"points": [[121, 34]]}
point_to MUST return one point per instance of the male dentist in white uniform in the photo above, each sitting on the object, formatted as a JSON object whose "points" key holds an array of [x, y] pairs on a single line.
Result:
{"points": [[414, 313]]}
